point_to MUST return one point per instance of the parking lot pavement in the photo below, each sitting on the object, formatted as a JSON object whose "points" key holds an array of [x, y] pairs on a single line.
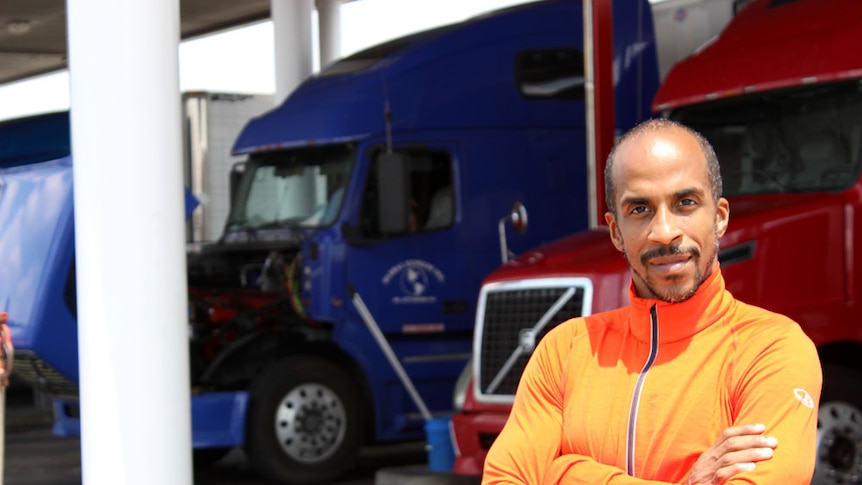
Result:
{"points": [[34, 456]]}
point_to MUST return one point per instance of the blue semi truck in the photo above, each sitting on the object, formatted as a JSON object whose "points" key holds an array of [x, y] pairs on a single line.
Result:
{"points": [[337, 307]]}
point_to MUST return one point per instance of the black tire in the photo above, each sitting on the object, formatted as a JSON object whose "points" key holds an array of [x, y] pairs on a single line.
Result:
{"points": [[839, 427], [305, 421], [207, 457]]}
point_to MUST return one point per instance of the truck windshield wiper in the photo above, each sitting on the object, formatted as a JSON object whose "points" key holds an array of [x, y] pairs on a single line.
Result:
{"points": [[276, 224], [243, 226]]}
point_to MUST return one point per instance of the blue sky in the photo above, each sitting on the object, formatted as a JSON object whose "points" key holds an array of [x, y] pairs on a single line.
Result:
{"points": [[241, 60]]}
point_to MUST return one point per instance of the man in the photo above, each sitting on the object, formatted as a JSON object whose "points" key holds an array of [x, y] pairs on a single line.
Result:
{"points": [[684, 385]]}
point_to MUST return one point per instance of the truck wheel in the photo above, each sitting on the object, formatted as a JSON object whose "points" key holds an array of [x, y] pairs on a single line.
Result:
{"points": [[207, 457], [839, 427], [304, 421]]}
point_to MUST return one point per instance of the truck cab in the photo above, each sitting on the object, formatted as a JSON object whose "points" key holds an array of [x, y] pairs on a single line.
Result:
{"points": [[779, 96]]}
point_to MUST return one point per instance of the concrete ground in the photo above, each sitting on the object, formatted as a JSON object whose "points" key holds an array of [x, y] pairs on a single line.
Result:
{"points": [[34, 456]]}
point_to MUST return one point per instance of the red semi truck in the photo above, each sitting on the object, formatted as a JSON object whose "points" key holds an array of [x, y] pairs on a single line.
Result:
{"points": [[779, 95]]}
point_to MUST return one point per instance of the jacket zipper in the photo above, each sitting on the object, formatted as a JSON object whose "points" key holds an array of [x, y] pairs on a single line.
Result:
{"points": [[636, 394]]}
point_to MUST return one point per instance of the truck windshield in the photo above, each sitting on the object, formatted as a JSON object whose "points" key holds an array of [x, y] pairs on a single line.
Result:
{"points": [[796, 140], [296, 187]]}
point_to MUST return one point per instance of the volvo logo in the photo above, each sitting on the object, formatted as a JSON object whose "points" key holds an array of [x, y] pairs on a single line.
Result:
{"points": [[527, 339]]}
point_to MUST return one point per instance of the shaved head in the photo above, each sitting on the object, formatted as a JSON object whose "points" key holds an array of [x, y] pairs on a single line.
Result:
{"points": [[652, 126]]}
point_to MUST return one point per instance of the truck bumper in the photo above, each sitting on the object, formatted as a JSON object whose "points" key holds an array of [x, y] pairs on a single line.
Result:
{"points": [[474, 434], [67, 422], [218, 419]]}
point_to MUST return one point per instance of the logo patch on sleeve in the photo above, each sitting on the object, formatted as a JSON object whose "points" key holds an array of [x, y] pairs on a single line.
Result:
{"points": [[804, 397]]}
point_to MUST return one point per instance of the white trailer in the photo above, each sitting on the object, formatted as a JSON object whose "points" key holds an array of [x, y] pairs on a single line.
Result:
{"points": [[681, 26], [211, 123]]}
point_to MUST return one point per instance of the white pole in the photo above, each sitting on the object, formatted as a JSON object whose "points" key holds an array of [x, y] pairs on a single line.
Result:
{"points": [[291, 20], [130, 256], [329, 31]]}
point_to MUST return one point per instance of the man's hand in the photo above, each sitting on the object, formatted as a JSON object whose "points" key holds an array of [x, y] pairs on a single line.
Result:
{"points": [[5, 350], [737, 450]]}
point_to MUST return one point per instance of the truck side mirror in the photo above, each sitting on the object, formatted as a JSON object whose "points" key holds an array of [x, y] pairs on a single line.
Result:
{"points": [[392, 209], [518, 218], [234, 178]]}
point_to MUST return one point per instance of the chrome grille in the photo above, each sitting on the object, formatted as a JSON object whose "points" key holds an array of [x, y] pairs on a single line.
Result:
{"points": [[511, 319], [39, 374]]}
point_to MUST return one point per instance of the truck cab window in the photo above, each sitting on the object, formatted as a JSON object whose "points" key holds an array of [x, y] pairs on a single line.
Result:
{"points": [[798, 140], [289, 188], [419, 195], [551, 73]]}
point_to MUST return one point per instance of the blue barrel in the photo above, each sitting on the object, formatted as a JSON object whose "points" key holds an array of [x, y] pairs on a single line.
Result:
{"points": [[441, 454]]}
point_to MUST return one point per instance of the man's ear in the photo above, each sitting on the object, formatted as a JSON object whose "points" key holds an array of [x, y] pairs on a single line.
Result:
{"points": [[616, 238], [722, 216]]}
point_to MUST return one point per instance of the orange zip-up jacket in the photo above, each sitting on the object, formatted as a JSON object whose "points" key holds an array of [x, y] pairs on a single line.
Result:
{"points": [[636, 395]]}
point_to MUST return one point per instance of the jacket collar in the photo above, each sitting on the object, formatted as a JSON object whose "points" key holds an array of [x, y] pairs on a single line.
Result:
{"points": [[677, 321]]}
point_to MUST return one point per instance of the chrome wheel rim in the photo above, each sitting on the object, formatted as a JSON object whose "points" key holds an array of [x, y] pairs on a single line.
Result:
{"points": [[839, 444], [310, 423]]}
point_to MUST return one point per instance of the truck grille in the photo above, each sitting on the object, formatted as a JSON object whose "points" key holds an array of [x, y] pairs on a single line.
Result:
{"points": [[36, 372], [511, 319]]}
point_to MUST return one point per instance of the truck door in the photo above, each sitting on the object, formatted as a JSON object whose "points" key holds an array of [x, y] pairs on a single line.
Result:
{"points": [[408, 258], [411, 263]]}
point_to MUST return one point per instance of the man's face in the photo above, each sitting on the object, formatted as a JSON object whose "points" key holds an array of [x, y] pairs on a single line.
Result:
{"points": [[666, 223]]}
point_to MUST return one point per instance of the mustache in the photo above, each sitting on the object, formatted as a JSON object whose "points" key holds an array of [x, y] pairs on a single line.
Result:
{"points": [[668, 251]]}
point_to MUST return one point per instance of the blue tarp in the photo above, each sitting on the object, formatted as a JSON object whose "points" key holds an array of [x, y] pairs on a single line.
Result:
{"points": [[45, 137]]}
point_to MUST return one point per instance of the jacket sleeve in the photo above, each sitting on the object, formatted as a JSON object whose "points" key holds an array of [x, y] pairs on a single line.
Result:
{"points": [[527, 451], [779, 385]]}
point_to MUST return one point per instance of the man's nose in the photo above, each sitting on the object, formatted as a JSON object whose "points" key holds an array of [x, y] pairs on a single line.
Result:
{"points": [[665, 227]]}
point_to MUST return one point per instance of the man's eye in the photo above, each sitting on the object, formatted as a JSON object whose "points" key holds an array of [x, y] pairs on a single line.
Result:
{"points": [[687, 202], [638, 209]]}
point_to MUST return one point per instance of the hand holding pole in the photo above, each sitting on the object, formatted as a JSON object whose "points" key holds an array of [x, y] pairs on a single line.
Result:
{"points": [[6, 361]]}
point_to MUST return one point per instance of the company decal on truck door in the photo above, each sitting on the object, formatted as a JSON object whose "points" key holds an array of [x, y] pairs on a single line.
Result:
{"points": [[415, 279]]}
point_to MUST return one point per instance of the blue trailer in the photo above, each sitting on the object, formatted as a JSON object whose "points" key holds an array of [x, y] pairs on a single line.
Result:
{"points": [[37, 248], [337, 307]]}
